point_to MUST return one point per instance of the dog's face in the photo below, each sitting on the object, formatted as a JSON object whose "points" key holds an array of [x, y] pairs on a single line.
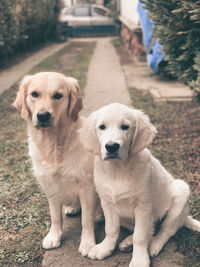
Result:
{"points": [[115, 131], [48, 97]]}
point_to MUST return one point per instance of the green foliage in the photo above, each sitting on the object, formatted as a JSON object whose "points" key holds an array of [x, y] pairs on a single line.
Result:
{"points": [[24, 23], [177, 25]]}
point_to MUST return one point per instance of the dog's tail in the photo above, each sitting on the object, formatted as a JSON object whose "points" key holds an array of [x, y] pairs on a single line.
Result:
{"points": [[192, 224]]}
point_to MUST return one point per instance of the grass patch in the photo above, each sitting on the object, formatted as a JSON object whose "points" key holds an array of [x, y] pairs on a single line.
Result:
{"points": [[72, 61], [177, 146], [24, 212]]}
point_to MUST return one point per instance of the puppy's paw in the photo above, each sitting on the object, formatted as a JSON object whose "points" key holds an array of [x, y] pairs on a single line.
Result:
{"points": [[125, 247], [127, 244], [85, 246], [139, 262], [99, 252], [51, 241], [71, 210], [155, 247]]}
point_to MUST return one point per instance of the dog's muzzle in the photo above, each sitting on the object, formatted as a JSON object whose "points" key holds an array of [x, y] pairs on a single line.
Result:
{"points": [[44, 119], [112, 151]]}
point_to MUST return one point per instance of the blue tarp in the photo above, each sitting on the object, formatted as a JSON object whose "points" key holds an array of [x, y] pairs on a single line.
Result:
{"points": [[153, 48]]}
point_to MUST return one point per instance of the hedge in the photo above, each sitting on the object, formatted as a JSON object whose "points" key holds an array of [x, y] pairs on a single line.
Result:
{"points": [[25, 23], [177, 25]]}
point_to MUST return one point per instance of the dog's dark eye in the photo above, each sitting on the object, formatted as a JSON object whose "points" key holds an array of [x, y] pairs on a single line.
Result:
{"points": [[124, 127], [35, 94], [102, 127], [57, 96]]}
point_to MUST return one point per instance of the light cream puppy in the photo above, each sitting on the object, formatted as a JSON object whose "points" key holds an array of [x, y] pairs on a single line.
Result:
{"points": [[50, 103], [132, 184]]}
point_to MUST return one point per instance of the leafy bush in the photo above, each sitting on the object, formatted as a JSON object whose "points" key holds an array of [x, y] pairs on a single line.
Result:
{"points": [[177, 25], [25, 23]]}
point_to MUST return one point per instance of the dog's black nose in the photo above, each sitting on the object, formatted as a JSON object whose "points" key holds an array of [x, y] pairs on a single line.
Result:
{"points": [[43, 116], [112, 147]]}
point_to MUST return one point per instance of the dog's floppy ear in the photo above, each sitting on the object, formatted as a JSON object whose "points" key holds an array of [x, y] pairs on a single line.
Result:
{"points": [[20, 101], [88, 134], [144, 132], [75, 101]]}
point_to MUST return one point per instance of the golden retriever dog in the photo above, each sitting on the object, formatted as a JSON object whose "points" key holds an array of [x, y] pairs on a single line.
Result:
{"points": [[50, 103], [133, 186]]}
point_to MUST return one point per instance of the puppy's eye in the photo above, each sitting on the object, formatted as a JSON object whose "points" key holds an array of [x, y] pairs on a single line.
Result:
{"points": [[57, 96], [124, 127], [102, 127], [35, 94]]}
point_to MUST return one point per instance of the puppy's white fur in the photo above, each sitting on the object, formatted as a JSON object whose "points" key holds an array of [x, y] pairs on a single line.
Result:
{"points": [[132, 184], [62, 165]]}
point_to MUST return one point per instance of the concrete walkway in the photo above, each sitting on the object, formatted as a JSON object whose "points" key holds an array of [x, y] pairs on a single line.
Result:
{"points": [[12, 75], [139, 75], [106, 84]]}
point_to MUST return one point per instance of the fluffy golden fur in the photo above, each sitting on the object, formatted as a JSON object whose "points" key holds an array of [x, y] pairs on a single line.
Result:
{"points": [[50, 103]]}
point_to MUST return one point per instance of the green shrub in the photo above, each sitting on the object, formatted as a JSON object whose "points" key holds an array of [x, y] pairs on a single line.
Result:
{"points": [[25, 23], [177, 25]]}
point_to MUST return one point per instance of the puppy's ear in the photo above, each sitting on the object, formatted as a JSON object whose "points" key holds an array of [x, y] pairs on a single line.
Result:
{"points": [[75, 101], [20, 101], [88, 134], [144, 133]]}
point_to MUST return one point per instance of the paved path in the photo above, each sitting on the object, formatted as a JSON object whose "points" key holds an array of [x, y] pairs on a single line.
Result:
{"points": [[139, 75], [12, 75], [106, 83]]}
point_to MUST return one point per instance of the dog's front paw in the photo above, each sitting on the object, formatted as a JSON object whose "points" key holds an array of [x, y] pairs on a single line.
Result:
{"points": [[51, 241], [142, 262], [85, 247], [99, 252], [155, 247], [140, 258], [127, 244]]}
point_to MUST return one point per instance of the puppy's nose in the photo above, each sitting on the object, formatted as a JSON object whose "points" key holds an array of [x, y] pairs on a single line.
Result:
{"points": [[112, 147], [43, 116]]}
